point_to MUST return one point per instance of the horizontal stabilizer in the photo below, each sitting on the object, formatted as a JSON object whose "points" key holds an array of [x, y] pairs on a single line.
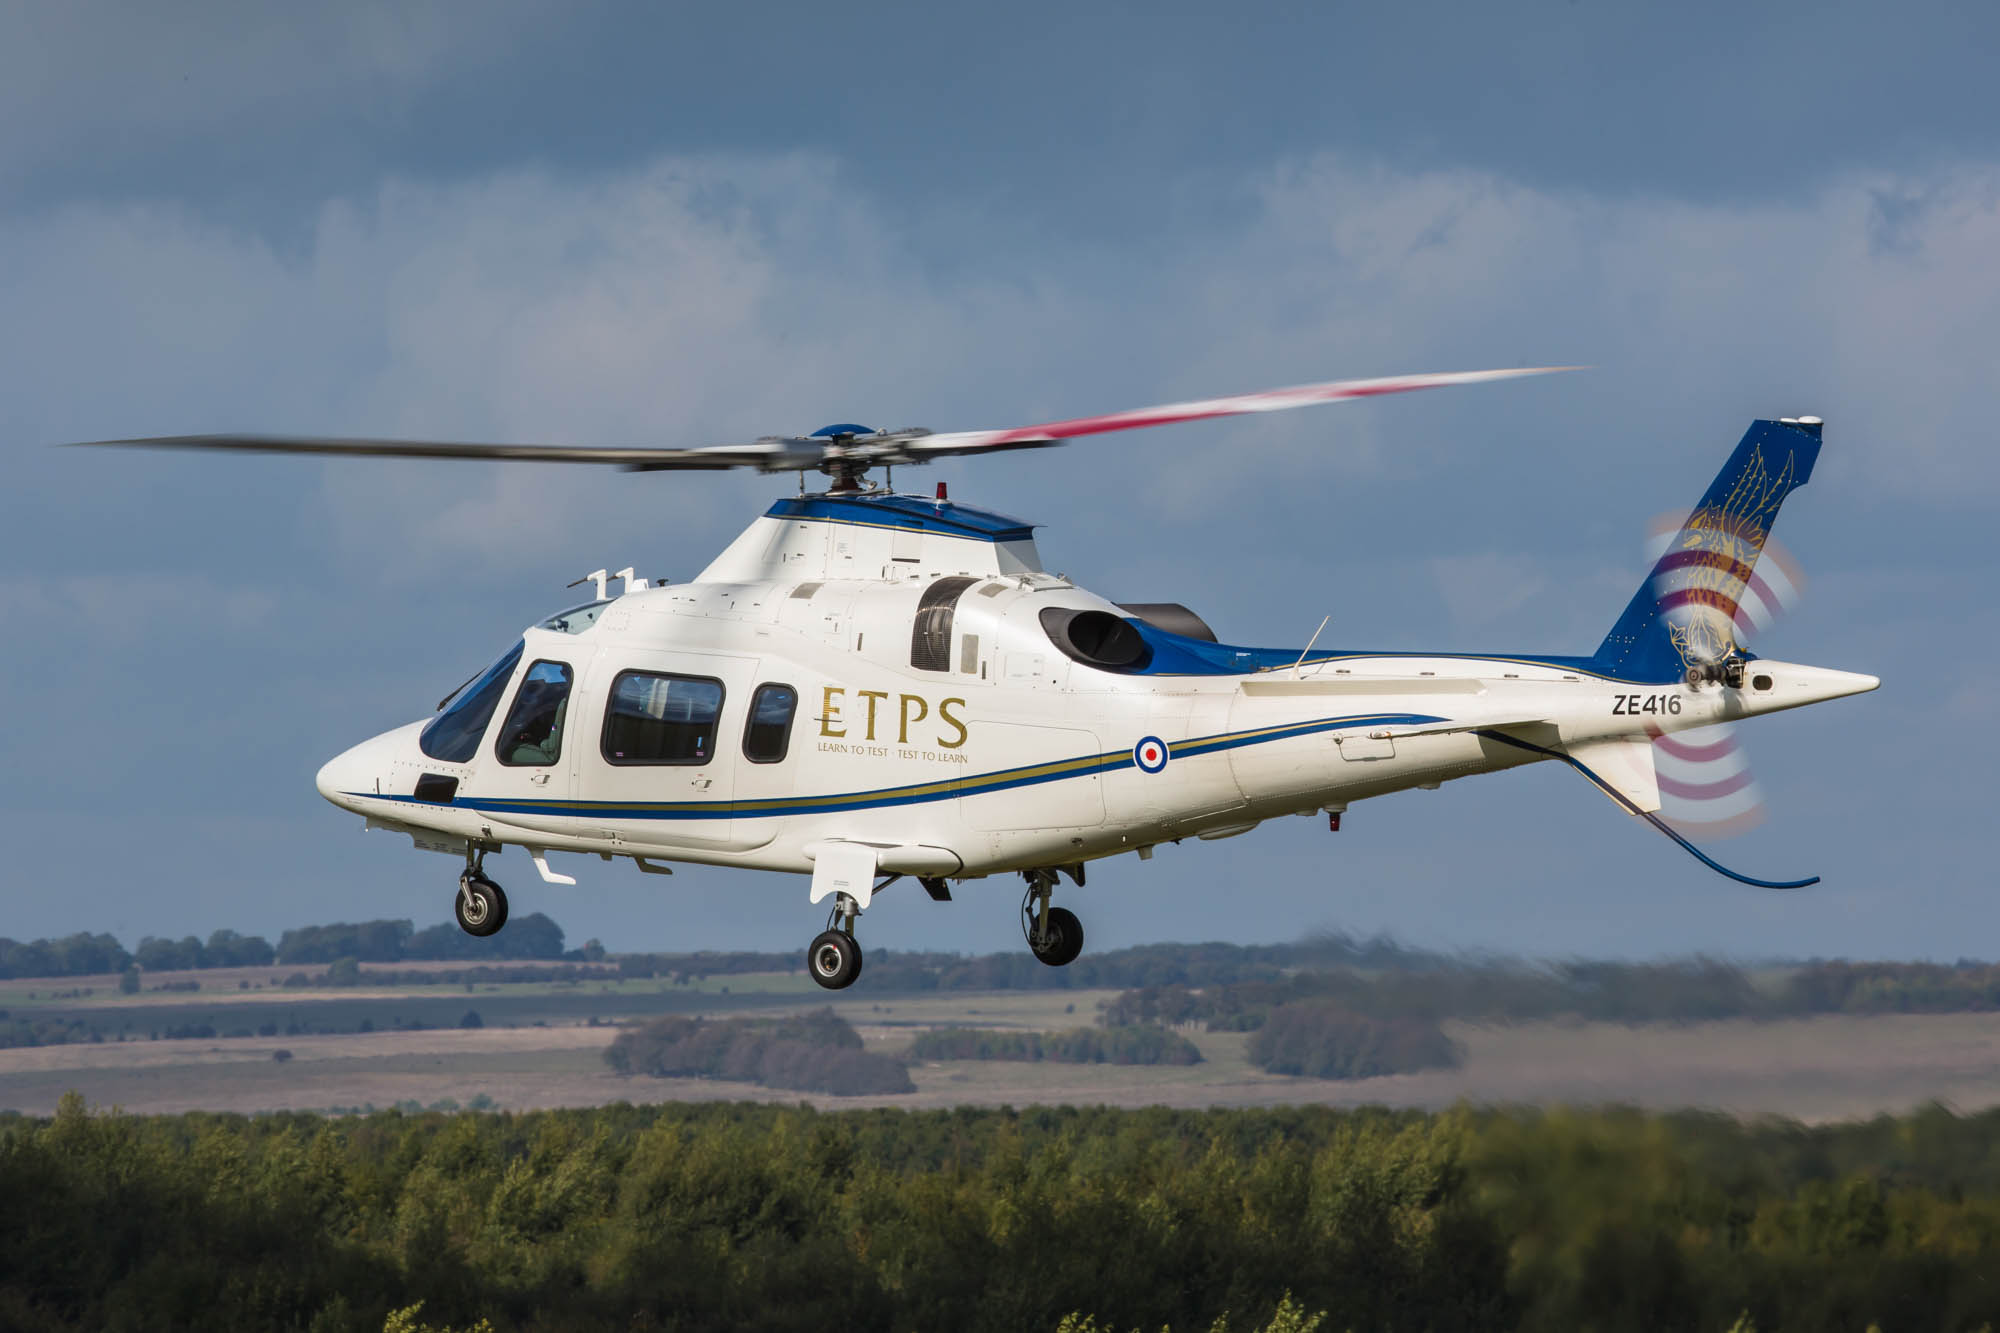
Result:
{"points": [[1570, 757], [1625, 767]]}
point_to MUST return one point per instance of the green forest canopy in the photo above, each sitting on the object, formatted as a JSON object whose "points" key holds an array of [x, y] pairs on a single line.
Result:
{"points": [[728, 1215]]}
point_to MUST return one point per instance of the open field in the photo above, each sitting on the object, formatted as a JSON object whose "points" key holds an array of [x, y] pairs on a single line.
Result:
{"points": [[540, 1045]]}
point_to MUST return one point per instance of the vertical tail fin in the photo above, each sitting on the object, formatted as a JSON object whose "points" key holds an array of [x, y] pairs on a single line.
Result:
{"points": [[1684, 614]]}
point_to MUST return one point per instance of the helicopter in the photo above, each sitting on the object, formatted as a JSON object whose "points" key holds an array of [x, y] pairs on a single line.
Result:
{"points": [[868, 686]]}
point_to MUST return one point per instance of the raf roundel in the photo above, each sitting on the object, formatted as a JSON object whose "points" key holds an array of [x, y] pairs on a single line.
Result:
{"points": [[1150, 754]]}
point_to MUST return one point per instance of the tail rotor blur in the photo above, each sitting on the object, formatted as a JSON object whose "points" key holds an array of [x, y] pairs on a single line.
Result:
{"points": [[1707, 789]]}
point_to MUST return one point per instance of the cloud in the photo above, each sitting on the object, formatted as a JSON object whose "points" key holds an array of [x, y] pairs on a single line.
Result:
{"points": [[119, 609], [691, 302], [720, 297], [1795, 304], [107, 76]]}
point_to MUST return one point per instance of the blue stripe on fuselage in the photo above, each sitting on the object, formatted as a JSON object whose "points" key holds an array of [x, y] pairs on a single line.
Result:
{"points": [[914, 794]]}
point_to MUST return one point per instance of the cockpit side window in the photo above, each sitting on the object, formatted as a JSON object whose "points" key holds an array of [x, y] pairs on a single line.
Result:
{"points": [[453, 735], [659, 719], [533, 733], [768, 734]]}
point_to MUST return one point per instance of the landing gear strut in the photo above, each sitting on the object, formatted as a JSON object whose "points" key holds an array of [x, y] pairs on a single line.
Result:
{"points": [[834, 956], [1055, 936], [481, 905]]}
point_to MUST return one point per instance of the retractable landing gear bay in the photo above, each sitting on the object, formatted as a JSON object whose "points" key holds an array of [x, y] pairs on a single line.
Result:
{"points": [[1055, 936], [481, 905]]}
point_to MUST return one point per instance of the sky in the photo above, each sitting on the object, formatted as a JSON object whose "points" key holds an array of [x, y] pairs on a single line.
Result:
{"points": [[600, 223]]}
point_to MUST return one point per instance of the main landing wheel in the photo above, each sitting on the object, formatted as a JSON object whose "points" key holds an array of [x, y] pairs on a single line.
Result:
{"points": [[1061, 940], [834, 959], [481, 906]]}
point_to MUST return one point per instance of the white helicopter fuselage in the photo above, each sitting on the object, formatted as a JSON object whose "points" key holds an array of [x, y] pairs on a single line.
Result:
{"points": [[866, 684], [956, 711]]}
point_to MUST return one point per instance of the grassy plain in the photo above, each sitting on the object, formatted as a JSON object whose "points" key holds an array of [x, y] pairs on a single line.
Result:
{"points": [[539, 1045]]}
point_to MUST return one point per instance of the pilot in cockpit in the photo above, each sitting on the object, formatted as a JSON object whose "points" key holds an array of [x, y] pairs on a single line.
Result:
{"points": [[535, 723]]}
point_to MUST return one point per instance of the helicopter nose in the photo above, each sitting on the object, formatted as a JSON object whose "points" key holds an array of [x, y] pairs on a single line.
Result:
{"points": [[349, 774]]}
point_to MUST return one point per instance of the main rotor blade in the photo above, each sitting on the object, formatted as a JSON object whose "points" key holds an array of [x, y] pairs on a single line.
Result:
{"points": [[1271, 400], [725, 456], [841, 455]]}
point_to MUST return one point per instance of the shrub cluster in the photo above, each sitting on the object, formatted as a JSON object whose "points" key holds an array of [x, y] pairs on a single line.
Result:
{"points": [[1114, 1046], [816, 1052], [1319, 1039], [40, 1031], [346, 972]]}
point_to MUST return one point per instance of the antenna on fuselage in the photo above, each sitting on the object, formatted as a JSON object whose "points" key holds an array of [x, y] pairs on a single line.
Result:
{"points": [[1309, 645], [601, 577]]}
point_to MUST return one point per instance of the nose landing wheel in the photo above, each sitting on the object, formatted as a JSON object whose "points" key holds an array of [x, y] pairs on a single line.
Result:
{"points": [[834, 959], [481, 905]]}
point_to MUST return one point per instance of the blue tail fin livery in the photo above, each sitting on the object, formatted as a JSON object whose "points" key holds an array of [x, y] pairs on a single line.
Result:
{"points": [[1684, 614]]}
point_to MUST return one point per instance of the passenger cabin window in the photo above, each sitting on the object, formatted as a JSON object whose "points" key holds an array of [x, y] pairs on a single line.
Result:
{"points": [[452, 736], [768, 733], [533, 733], [930, 637], [658, 719]]}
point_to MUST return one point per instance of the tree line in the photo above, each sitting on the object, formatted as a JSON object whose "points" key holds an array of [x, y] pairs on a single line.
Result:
{"points": [[1672, 991], [898, 971], [1226, 986], [530, 936], [717, 1215]]}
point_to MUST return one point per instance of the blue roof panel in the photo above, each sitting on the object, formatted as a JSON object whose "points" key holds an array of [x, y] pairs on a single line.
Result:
{"points": [[905, 511]]}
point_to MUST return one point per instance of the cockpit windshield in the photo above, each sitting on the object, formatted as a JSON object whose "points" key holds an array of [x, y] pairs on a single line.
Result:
{"points": [[575, 620], [453, 735]]}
